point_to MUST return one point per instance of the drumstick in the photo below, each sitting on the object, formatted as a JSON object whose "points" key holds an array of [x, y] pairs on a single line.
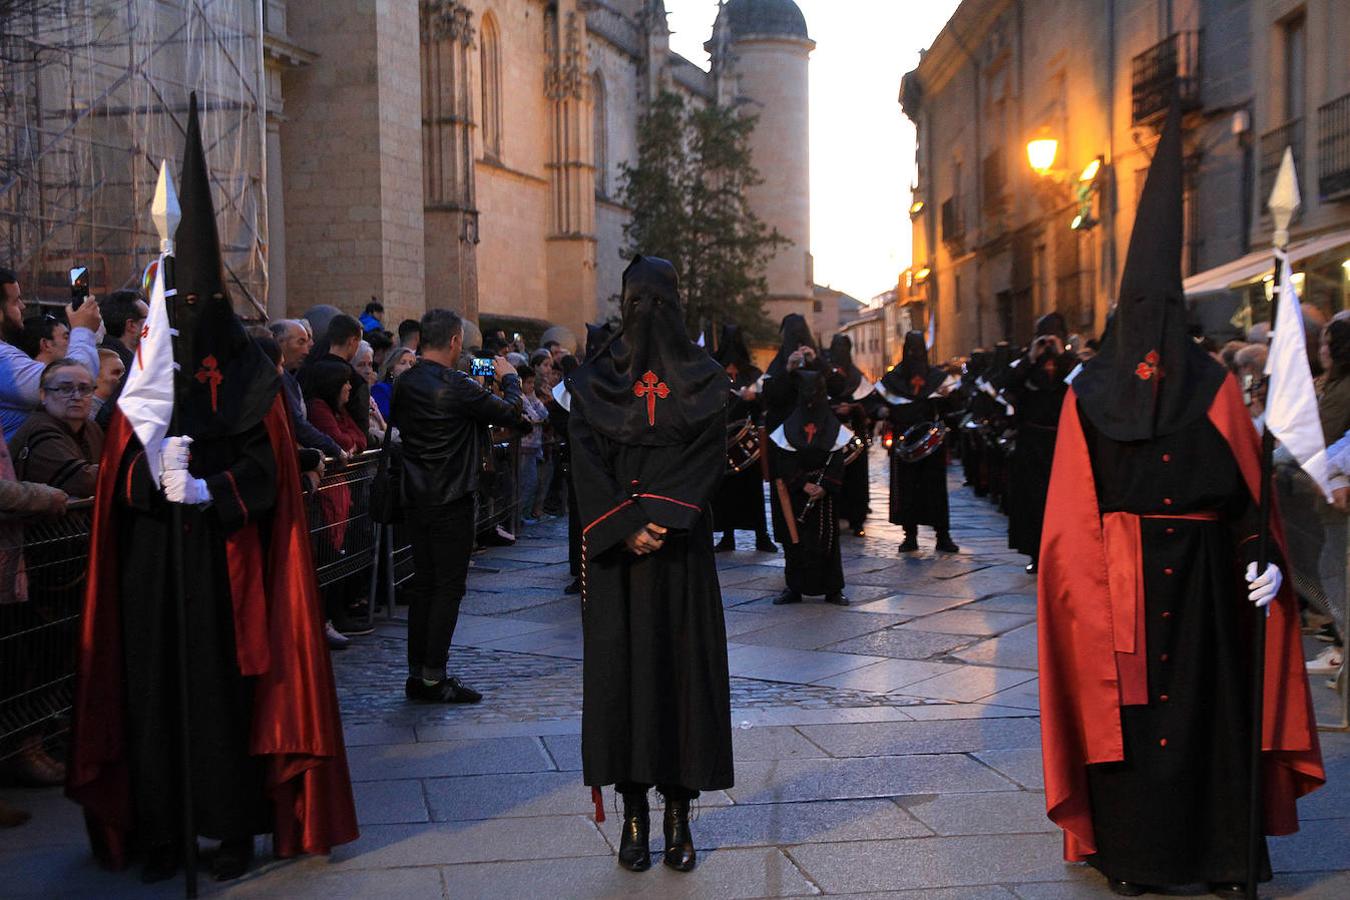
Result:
{"points": [[785, 501]]}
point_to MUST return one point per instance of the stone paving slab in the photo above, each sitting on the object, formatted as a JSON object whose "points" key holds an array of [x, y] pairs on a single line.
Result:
{"points": [[442, 758], [785, 664], [911, 738], [784, 781], [493, 840], [912, 605], [1014, 650], [969, 621], [888, 675], [1021, 765], [1012, 812], [390, 802], [897, 643], [968, 684], [823, 630]]}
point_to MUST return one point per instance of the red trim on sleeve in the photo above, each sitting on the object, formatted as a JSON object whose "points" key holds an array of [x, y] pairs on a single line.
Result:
{"points": [[607, 515], [670, 500], [237, 498], [130, 469]]}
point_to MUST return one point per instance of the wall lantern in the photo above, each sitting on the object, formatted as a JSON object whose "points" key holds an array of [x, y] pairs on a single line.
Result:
{"points": [[921, 276], [915, 208], [1041, 153]]}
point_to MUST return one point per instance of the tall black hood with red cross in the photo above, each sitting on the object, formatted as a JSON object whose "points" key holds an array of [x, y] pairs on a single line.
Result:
{"points": [[226, 383], [650, 385], [813, 424], [914, 378], [1150, 378]]}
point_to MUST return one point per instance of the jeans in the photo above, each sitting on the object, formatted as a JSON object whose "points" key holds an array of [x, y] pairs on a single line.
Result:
{"points": [[442, 539], [528, 480]]}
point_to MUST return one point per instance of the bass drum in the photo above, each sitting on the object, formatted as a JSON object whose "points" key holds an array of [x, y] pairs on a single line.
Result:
{"points": [[743, 447], [921, 441], [856, 447]]}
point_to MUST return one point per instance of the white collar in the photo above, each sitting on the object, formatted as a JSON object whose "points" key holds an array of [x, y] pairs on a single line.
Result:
{"points": [[841, 440], [561, 395]]}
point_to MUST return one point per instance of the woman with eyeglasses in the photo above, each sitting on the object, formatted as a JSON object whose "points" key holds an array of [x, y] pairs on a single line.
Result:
{"points": [[59, 445]]}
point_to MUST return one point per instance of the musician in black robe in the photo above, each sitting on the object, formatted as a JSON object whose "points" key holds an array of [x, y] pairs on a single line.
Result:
{"points": [[850, 394], [809, 464], [798, 350], [1035, 384], [739, 504], [648, 433], [915, 394]]}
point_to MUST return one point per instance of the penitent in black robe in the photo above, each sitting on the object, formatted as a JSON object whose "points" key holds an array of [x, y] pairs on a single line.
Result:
{"points": [[227, 784], [739, 502], [857, 395], [1174, 811], [918, 489], [657, 704], [813, 564], [1037, 393]]}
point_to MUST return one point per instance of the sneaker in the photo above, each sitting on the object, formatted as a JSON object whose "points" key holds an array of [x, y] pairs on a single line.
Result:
{"points": [[1328, 662], [451, 690], [503, 534], [336, 639]]}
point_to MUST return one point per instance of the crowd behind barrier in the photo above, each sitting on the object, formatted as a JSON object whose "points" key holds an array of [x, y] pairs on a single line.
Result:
{"points": [[38, 637]]}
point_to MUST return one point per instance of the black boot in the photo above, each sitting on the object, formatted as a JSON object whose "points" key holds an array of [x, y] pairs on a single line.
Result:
{"points": [[679, 842], [911, 541], [945, 543], [574, 587], [1126, 888], [765, 544], [787, 596], [635, 852], [1033, 567], [1228, 889], [232, 859], [727, 544], [837, 598]]}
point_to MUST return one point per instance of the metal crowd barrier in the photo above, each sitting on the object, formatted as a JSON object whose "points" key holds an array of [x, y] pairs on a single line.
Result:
{"points": [[38, 637]]}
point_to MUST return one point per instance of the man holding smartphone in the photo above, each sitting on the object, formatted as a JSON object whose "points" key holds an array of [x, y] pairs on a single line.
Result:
{"points": [[20, 375], [443, 415]]}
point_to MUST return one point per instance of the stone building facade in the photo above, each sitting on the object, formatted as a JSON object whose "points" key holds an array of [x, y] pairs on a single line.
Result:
{"points": [[467, 153], [997, 244]]}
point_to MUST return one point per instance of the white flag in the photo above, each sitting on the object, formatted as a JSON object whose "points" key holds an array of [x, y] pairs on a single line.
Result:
{"points": [[1291, 400], [147, 397]]}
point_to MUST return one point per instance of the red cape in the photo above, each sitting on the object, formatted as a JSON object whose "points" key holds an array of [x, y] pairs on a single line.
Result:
{"points": [[279, 632], [1081, 685]]}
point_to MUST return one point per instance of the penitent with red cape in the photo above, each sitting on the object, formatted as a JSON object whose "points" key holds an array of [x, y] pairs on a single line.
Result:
{"points": [[1144, 621], [266, 740]]}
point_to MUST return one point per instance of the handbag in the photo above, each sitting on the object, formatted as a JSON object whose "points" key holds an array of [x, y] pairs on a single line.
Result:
{"points": [[386, 488]]}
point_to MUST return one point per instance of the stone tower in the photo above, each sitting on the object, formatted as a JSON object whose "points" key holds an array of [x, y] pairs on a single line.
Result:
{"points": [[760, 57]]}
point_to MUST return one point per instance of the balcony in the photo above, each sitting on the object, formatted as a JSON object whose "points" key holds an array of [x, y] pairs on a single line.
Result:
{"points": [[1171, 66], [1290, 134], [1333, 149], [953, 224]]}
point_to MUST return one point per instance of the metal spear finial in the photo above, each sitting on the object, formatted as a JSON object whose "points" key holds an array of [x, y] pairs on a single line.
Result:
{"points": [[164, 208], [1284, 199]]}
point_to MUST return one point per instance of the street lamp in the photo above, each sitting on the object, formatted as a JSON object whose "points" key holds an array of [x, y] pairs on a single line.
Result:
{"points": [[1041, 153]]}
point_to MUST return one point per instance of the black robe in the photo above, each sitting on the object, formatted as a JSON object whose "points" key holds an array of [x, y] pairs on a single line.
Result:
{"points": [[918, 489], [739, 503], [1174, 811], [558, 417], [657, 694], [1037, 394], [853, 497], [228, 783], [813, 565]]}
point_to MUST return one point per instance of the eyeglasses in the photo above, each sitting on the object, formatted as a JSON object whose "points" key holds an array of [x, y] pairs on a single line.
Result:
{"points": [[65, 390]]}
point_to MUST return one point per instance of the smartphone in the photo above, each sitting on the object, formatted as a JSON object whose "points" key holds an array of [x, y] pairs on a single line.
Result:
{"points": [[483, 367], [79, 285]]}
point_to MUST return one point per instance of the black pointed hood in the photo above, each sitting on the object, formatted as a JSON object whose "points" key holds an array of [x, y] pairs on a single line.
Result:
{"points": [[731, 348], [844, 376], [596, 338], [1053, 323], [795, 333], [914, 378], [813, 424], [650, 384], [227, 384], [1150, 378]]}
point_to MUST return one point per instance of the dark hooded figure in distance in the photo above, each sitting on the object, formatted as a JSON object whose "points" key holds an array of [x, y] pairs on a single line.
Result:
{"points": [[916, 394], [648, 435], [852, 396], [809, 461], [739, 504], [798, 351], [1035, 384], [1144, 618], [267, 753]]}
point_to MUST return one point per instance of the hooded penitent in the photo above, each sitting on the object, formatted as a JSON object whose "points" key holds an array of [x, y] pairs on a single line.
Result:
{"points": [[226, 384], [1149, 379], [596, 338], [795, 333], [650, 384], [731, 348], [813, 424], [1052, 323], [845, 377], [914, 377]]}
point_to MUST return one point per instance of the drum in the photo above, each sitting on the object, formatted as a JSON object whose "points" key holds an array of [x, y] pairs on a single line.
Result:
{"points": [[921, 441], [855, 448], [742, 445]]}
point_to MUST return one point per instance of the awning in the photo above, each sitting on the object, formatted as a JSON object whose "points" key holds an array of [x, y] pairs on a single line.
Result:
{"points": [[1260, 263]]}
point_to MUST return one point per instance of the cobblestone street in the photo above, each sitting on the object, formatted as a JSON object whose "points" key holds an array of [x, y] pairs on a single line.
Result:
{"points": [[891, 746]]}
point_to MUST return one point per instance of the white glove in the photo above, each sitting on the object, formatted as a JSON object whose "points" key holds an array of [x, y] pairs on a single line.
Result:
{"points": [[1262, 590], [180, 487], [173, 452]]}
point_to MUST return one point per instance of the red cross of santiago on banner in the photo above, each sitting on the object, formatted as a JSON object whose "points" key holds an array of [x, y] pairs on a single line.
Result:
{"points": [[145, 333], [651, 387], [209, 373]]}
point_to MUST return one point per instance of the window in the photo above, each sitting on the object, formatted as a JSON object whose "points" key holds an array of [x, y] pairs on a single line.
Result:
{"points": [[600, 138], [491, 50], [1295, 53]]}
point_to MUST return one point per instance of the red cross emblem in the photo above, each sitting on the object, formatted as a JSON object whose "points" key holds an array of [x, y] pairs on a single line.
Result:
{"points": [[209, 373], [1148, 368], [651, 387], [917, 383], [810, 428], [145, 333]]}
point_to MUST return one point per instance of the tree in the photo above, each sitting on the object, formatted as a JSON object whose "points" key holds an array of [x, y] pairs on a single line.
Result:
{"points": [[687, 192]]}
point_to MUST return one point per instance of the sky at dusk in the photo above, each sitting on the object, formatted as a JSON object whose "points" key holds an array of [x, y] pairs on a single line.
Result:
{"points": [[862, 146]]}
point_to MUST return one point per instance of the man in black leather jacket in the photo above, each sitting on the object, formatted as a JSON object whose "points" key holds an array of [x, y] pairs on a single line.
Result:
{"points": [[442, 416]]}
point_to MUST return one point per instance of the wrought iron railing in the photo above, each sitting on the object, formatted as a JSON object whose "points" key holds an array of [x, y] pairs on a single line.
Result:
{"points": [[1333, 149], [1169, 68]]}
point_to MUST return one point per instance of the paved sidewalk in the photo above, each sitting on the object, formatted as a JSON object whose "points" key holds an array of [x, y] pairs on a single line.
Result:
{"points": [[892, 746]]}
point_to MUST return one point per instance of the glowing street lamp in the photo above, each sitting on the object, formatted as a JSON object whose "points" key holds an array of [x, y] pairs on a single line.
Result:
{"points": [[1041, 154], [1091, 170]]}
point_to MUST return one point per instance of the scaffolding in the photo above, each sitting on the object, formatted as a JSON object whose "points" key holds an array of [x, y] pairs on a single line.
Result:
{"points": [[93, 95]]}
